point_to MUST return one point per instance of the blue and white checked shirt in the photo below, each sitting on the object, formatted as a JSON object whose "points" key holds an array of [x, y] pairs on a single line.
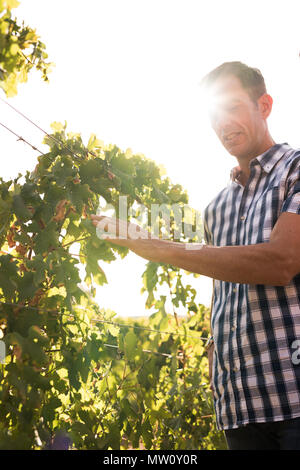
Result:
{"points": [[255, 375]]}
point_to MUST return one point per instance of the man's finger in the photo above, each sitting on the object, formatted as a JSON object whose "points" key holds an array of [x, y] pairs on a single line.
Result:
{"points": [[97, 217]]}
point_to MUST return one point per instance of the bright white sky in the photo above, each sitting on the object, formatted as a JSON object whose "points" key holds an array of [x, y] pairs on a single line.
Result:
{"points": [[129, 71]]}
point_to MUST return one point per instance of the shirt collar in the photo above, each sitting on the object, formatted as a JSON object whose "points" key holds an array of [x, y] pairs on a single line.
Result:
{"points": [[267, 160]]}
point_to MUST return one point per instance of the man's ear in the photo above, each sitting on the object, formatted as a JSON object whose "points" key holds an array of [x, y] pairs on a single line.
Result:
{"points": [[265, 103]]}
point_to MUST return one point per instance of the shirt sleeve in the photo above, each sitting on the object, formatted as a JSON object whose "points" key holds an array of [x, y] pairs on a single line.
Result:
{"points": [[292, 200]]}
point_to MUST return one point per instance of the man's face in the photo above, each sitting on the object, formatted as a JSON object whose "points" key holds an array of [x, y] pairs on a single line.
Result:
{"points": [[236, 119]]}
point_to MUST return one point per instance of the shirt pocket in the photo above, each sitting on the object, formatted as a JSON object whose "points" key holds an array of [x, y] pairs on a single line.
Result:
{"points": [[265, 213]]}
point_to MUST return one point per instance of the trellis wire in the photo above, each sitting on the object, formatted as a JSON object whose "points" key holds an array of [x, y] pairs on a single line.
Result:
{"points": [[179, 356], [43, 131], [20, 138], [96, 320]]}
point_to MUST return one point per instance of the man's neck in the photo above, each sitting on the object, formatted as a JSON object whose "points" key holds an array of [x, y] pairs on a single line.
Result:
{"points": [[244, 162]]}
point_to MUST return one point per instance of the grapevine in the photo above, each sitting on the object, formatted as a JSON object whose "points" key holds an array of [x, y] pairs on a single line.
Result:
{"points": [[74, 374]]}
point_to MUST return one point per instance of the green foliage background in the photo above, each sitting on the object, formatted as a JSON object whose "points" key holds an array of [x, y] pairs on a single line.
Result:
{"points": [[73, 368]]}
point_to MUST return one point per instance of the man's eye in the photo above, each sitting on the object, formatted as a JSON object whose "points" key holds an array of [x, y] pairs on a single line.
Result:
{"points": [[233, 108]]}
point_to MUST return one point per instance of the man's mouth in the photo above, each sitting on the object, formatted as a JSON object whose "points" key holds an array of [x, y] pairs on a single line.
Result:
{"points": [[230, 137]]}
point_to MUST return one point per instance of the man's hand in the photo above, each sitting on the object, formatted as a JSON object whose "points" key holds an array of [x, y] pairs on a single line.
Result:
{"points": [[119, 231]]}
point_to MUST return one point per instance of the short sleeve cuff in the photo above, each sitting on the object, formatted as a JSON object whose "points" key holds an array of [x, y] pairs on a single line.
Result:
{"points": [[292, 204]]}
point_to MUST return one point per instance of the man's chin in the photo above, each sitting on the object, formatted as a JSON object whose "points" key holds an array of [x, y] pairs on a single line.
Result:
{"points": [[235, 147], [236, 151]]}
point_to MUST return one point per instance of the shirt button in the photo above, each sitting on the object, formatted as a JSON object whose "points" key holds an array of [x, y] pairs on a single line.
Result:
{"points": [[235, 369], [243, 217], [234, 289], [233, 327]]}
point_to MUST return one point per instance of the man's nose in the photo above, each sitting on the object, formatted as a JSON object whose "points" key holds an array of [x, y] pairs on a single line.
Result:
{"points": [[221, 121]]}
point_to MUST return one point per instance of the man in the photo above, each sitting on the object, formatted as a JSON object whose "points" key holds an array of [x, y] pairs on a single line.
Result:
{"points": [[252, 251]]}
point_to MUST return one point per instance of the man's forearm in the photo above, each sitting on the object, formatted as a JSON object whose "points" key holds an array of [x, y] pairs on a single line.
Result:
{"points": [[272, 263], [250, 264]]}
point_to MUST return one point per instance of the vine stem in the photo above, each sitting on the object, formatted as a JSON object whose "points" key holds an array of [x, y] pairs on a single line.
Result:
{"points": [[174, 313], [75, 241]]}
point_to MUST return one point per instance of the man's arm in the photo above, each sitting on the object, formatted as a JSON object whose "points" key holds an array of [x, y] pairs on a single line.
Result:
{"points": [[273, 263]]}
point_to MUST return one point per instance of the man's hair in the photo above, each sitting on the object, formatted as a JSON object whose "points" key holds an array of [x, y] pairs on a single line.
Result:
{"points": [[250, 78]]}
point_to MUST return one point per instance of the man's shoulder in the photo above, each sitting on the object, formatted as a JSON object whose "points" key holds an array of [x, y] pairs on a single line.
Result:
{"points": [[293, 157], [289, 166]]}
